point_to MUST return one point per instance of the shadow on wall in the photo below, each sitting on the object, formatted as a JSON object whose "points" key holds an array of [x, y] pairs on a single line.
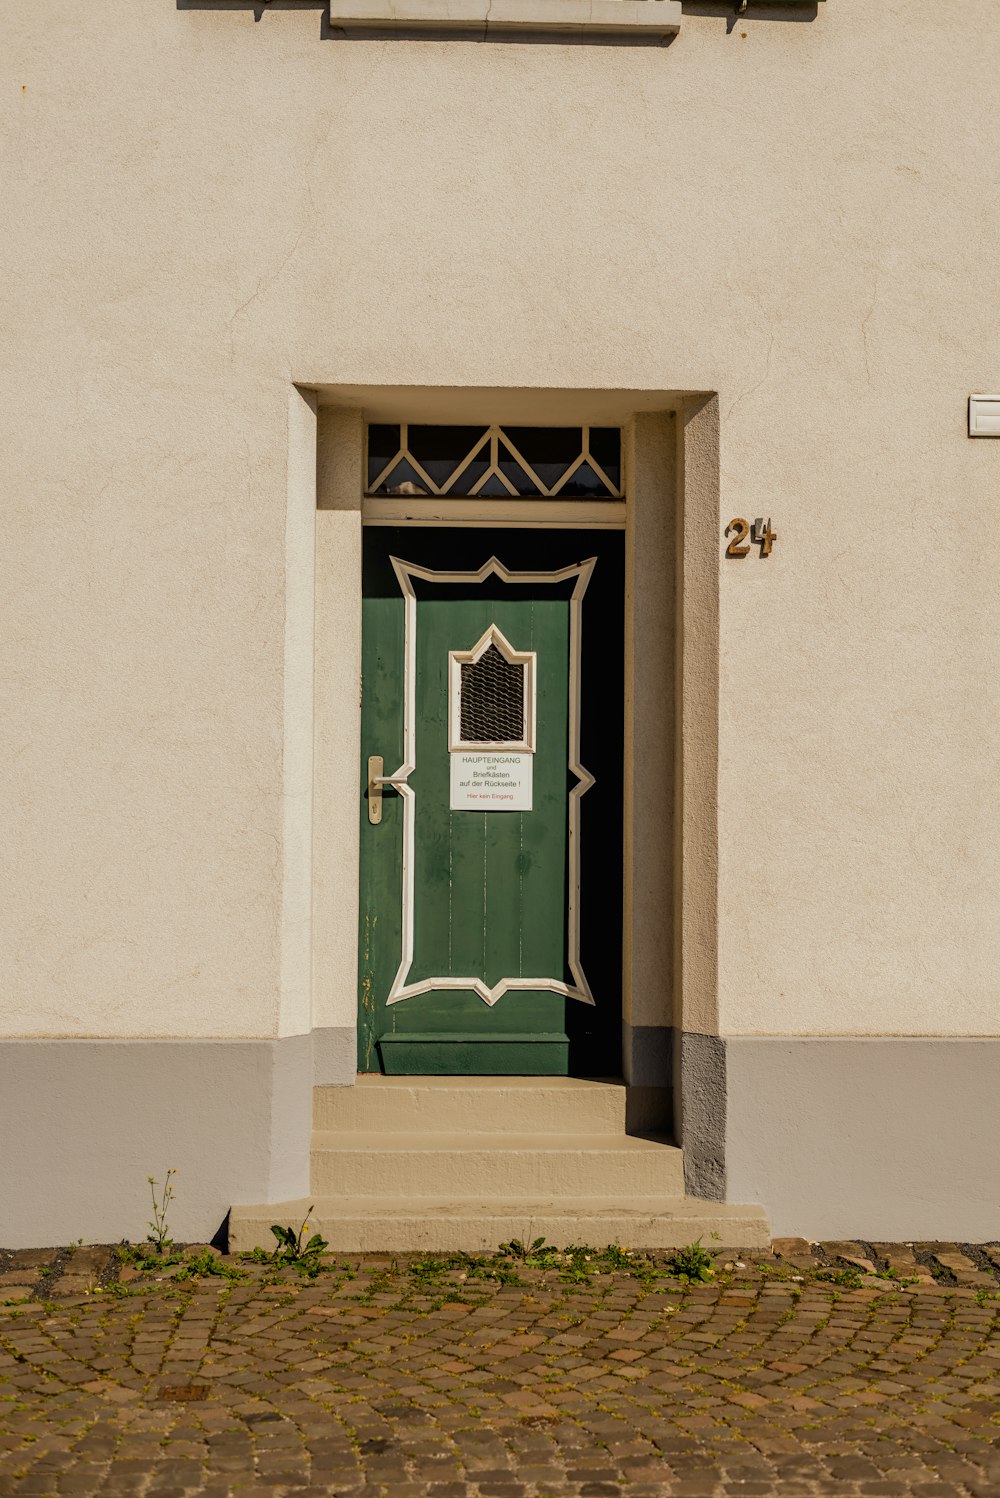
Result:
{"points": [[763, 10], [328, 33], [258, 7]]}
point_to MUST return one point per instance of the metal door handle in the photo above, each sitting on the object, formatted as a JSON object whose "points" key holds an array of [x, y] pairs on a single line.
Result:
{"points": [[376, 780]]}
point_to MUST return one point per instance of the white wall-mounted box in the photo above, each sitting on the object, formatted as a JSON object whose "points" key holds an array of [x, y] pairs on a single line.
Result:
{"points": [[984, 415]]}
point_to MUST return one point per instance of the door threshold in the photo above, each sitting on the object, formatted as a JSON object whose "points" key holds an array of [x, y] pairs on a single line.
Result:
{"points": [[469, 1054]]}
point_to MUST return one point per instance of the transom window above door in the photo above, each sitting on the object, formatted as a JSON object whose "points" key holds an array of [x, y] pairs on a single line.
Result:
{"points": [[520, 462]]}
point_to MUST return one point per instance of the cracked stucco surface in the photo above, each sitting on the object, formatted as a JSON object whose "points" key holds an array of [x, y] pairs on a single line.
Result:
{"points": [[201, 209]]}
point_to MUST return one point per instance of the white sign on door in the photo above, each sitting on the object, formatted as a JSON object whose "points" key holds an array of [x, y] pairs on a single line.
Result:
{"points": [[491, 782]]}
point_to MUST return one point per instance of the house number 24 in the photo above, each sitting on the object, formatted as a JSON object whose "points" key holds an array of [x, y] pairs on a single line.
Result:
{"points": [[760, 535]]}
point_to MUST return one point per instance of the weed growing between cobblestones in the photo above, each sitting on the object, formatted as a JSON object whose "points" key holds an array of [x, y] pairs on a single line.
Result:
{"points": [[692, 1264], [427, 1275], [208, 1263], [145, 1257], [898, 1277], [850, 1279], [577, 1264], [159, 1230], [293, 1248]]}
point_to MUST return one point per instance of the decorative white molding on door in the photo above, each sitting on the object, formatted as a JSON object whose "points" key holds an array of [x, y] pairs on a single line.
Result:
{"points": [[405, 574], [459, 658]]}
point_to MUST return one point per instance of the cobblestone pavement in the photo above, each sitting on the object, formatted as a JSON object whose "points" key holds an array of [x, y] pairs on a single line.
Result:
{"points": [[841, 1368]]}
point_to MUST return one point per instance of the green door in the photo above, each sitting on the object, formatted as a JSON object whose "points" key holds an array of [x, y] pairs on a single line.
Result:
{"points": [[490, 934]]}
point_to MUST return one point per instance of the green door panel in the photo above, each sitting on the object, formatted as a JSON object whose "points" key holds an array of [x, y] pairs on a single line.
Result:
{"points": [[489, 888]]}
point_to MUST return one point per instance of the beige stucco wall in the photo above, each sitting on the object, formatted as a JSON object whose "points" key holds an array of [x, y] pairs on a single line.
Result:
{"points": [[335, 847], [202, 209], [650, 782]]}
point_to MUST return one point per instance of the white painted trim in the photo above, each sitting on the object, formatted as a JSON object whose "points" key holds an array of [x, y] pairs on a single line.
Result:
{"points": [[459, 658], [405, 573]]}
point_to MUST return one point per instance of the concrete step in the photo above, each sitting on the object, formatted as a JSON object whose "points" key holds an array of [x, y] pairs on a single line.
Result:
{"points": [[470, 1166], [485, 1105], [367, 1224]]}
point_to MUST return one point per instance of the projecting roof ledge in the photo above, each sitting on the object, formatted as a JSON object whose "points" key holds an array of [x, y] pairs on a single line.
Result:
{"points": [[635, 18]]}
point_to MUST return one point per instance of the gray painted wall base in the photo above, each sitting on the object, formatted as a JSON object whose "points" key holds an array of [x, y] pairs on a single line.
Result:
{"points": [[836, 1138], [700, 1113], [891, 1139], [83, 1123]]}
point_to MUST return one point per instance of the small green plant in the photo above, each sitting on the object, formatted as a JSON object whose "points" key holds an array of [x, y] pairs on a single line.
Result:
{"points": [[207, 1263], [293, 1248], [692, 1264], [121, 1292], [574, 1263], [146, 1256], [848, 1279], [525, 1252], [898, 1276], [159, 1234], [429, 1269]]}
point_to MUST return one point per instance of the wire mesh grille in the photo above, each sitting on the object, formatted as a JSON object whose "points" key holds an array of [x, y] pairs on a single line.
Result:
{"points": [[492, 700]]}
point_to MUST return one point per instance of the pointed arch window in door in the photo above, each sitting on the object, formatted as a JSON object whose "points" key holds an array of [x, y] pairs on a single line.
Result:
{"points": [[492, 692]]}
